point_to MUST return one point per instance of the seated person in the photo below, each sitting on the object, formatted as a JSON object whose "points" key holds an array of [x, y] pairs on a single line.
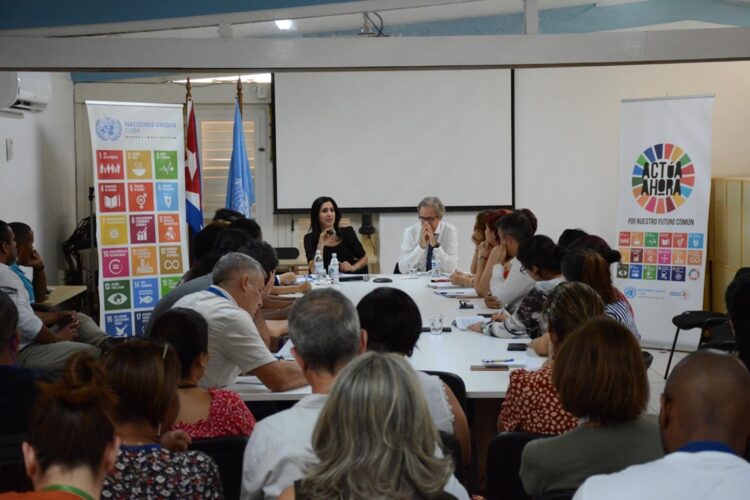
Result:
{"points": [[234, 344], [738, 306], [204, 413], [568, 236], [18, 386], [429, 239], [41, 346], [202, 245], [477, 238], [508, 285], [71, 444], [540, 258], [324, 328], [531, 402], [326, 236], [600, 377], [483, 274], [375, 438], [393, 324], [252, 229], [705, 410], [28, 256], [144, 376], [591, 266]]}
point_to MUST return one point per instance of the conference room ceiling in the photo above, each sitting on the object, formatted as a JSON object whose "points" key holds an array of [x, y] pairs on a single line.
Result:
{"points": [[337, 18]]}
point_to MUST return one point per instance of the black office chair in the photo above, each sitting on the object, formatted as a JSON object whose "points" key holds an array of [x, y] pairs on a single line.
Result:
{"points": [[648, 358], [287, 253], [456, 385], [504, 464], [12, 470], [689, 320], [228, 453]]}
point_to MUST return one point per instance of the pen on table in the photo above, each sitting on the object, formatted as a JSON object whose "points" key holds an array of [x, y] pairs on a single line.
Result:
{"points": [[509, 360]]}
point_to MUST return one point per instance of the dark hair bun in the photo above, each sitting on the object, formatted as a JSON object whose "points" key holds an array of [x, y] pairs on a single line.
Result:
{"points": [[531, 217], [82, 384], [612, 256]]}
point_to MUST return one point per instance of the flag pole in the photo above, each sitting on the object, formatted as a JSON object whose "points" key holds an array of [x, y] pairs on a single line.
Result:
{"points": [[185, 111], [239, 93]]}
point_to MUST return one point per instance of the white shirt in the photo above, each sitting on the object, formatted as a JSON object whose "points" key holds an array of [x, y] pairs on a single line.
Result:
{"points": [[446, 254], [511, 290], [29, 323], [437, 401], [687, 476], [280, 449], [234, 344]]}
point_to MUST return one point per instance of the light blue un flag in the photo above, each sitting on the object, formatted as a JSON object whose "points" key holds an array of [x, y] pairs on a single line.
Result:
{"points": [[240, 188]]}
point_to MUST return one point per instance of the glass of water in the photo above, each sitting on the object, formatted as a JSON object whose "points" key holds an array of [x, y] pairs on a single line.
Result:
{"points": [[436, 323]]}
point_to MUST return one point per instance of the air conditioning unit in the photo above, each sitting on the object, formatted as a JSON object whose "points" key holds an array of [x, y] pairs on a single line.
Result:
{"points": [[25, 91]]}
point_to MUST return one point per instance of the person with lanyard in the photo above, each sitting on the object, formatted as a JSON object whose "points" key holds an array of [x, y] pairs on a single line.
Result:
{"points": [[152, 463], [71, 444], [431, 240], [705, 429]]}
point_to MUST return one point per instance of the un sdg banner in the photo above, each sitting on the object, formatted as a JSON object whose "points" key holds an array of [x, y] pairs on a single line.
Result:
{"points": [[662, 219], [138, 159]]}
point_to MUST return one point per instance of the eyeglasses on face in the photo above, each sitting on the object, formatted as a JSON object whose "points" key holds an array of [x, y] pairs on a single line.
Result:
{"points": [[426, 219]]}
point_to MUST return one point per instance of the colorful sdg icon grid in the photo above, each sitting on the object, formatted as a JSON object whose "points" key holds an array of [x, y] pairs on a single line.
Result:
{"points": [[660, 256]]}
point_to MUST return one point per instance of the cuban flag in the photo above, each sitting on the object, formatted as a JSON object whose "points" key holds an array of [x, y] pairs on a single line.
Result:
{"points": [[240, 188], [193, 192]]}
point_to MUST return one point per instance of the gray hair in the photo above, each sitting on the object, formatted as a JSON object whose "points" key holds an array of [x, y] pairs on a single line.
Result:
{"points": [[233, 264], [324, 327], [434, 203]]}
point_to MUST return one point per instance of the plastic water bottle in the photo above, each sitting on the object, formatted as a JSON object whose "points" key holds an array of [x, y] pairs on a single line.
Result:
{"points": [[320, 270], [435, 266], [333, 269]]}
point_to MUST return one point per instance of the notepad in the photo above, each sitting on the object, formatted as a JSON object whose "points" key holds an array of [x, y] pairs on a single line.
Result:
{"points": [[453, 293], [464, 322]]}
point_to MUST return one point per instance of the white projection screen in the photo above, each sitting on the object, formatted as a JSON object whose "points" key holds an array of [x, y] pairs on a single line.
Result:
{"points": [[381, 140]]}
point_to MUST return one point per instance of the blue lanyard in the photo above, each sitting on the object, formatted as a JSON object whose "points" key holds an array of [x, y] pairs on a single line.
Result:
{"points": [[217, 291], [697, 446]]}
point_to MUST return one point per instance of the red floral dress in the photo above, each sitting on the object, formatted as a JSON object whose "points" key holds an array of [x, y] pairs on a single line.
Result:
{"points": [[227, 416], [532, 404]]}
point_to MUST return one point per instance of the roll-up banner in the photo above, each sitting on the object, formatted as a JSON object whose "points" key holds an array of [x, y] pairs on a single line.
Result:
{"points": [[662, 218], [138, 159]]}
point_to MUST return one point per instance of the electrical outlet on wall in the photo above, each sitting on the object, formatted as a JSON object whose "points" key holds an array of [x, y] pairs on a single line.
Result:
{"points": [[8, 149]]}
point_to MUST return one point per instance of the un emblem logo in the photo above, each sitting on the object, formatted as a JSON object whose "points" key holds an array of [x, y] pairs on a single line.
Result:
{"points": [[630, 292], [108, 129], [239, 198]]}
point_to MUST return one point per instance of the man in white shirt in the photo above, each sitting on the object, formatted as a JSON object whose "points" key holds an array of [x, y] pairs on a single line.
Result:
{"points": [[234, 344], [705, 428], [324, 327], [429, 239]]}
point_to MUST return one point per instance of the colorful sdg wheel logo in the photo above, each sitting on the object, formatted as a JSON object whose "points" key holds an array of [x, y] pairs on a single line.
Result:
{"points": [[663, 178]]}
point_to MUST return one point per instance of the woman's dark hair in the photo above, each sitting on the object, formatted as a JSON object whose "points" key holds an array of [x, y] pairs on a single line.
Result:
{"points": [[392, 320], [72, 420], [144, 375], [568, 236], [204, 241], [596, 243], [519, 225], [569, 305], [315, 214], [229, 240], [588, 266], [249, 226], [599, 373], [227, 214], [540, 251], [185, 330]]}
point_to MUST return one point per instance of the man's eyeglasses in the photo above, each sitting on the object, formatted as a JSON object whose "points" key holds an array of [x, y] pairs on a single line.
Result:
{"points": [[524, 270], [426, 219]]}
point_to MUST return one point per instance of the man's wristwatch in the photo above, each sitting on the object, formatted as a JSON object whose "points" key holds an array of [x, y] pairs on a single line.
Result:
{"points": [[436, 245]]}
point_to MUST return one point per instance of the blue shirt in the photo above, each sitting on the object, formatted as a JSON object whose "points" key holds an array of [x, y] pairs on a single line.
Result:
{"points": [[27, 284]]}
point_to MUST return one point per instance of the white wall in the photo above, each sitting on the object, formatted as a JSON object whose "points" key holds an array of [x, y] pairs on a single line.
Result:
{"points": [[568, 128], [38, 185]]}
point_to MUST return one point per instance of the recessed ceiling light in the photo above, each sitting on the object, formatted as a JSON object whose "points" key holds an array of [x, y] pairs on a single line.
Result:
{"points": [[257, 78]]}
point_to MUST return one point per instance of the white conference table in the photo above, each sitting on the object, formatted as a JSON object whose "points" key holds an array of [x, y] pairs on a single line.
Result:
{"points": [[453, 352]]}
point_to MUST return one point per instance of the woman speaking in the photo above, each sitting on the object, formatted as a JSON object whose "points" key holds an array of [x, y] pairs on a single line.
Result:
{"points": [[326, 235]]}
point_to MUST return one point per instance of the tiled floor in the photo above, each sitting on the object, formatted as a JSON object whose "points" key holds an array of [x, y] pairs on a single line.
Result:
{"points": [[656, 375]]}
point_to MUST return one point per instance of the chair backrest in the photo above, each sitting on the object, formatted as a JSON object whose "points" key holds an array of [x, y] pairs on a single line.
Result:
{"points": [[227, 452], [287, 253], [504, 464], [648, 358], [12, 471], [456, 385]]}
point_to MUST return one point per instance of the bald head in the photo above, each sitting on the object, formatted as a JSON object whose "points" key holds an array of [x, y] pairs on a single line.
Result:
{"points": [[706, 398]]}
